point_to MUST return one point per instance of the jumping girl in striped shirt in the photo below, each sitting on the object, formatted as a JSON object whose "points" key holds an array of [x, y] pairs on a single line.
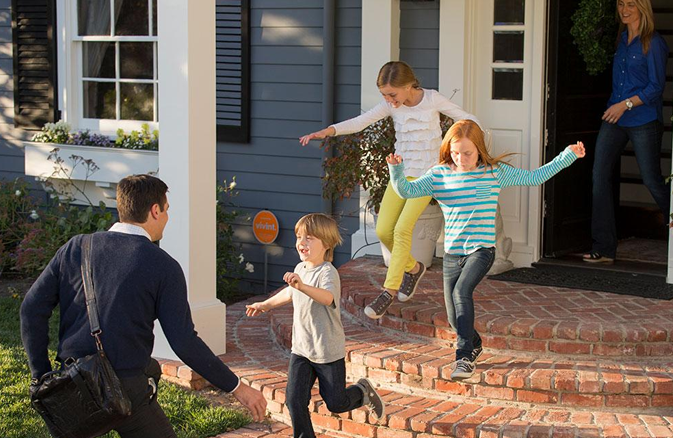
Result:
{"points": [[467, 183]]}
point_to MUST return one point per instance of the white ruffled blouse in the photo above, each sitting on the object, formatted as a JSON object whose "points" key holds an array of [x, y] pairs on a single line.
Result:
{"points": [[418, 136]]}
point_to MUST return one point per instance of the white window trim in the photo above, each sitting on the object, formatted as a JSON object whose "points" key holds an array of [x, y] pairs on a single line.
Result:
{"points": [[69, 83]]}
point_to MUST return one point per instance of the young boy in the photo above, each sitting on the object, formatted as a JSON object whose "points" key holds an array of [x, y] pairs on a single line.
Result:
{"points": [[318, 340]]}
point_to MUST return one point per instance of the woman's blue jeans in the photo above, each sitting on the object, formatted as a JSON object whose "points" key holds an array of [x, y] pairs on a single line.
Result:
{"points": [[612, 140], [462, 274], [331, 377]]}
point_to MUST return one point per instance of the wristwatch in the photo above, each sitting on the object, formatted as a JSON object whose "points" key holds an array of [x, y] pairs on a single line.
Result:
{"points": [[629, 104]]}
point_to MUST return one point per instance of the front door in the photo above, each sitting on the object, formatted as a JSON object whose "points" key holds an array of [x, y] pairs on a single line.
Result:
{"points": [[506, 91], [576, 101]]}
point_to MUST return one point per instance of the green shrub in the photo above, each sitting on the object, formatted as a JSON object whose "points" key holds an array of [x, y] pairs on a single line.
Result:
{"points": [[230, 261]]}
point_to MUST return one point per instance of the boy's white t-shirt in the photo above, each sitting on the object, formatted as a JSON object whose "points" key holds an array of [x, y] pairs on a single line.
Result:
{"points": [[317, 332]]}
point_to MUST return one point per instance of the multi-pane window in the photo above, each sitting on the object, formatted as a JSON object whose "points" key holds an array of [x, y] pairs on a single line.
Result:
{"points": [[117, 40], [508, 48]]}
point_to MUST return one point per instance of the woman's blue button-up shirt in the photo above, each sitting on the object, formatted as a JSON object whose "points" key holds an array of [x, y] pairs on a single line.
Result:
{"points": [[634, 73]]}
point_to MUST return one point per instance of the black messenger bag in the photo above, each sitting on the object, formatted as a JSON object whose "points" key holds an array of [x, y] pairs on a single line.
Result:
{"points": [[84, 398]]}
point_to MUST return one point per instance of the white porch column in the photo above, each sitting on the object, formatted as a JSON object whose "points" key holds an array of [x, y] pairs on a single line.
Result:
{"points": [[452, 57], [380, 44], [187, 155]]}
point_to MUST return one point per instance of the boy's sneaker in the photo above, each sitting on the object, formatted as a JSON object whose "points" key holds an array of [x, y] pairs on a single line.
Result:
{"points": [[379, 306], [476, 353], [372, 399], [410, 283], [463, 369]]}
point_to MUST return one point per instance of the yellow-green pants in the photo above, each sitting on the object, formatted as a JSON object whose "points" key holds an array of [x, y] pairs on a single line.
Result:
{"points": [[394, 227]]}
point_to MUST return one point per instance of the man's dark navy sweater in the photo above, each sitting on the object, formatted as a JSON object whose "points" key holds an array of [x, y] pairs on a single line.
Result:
{"points": [[136, 283]]}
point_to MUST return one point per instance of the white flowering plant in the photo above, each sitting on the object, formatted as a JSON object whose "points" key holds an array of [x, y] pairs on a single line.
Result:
{"points": [[33, 228], [231, 263]]}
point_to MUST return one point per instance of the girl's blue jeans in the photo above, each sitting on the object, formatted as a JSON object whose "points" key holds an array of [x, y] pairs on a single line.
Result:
{"points": [[461, 275]]}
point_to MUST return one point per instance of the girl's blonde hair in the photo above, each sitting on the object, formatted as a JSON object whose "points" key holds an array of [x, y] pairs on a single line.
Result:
{"points": [[321, 227], [397, 74], [470, 130], [646, 23]]}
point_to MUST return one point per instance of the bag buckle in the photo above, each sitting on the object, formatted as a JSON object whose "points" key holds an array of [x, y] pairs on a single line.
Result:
{"points": [[96, 335]]}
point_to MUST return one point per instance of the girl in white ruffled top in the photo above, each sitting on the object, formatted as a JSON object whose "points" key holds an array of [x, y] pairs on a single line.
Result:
{"points": [[415, 113]]}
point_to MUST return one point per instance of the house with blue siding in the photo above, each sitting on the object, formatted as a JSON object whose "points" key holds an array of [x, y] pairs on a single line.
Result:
{"points": [[283, 68]]}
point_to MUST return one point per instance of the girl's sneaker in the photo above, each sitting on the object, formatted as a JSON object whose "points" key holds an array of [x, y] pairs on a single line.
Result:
{"points": [[372, 399], [379, 306], [463, 369], [410, 283]]}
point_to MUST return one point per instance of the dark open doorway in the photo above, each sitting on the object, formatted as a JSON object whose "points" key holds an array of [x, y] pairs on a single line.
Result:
{"points": [[575, 104]]}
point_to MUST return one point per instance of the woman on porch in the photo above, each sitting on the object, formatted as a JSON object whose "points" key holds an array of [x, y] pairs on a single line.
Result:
{"points": [[634, 113]]}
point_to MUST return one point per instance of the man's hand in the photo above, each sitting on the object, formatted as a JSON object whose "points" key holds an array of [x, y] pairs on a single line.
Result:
{"points": [[255, 309], [293, 280], [251, 399]]}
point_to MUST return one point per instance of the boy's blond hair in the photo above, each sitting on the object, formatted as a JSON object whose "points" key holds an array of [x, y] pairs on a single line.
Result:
{"points": [[322, 227]]}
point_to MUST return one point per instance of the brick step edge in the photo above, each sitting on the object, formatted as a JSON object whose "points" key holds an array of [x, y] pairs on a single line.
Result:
{"points": [[534, 336], [603, 388]]}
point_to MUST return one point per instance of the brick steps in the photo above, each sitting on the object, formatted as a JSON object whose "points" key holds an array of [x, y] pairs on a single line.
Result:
{"points": [[509, 376], [512, 316], [415, 413]]}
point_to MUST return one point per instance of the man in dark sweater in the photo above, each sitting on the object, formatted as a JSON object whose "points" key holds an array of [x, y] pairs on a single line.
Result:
{"points": [[136, 283]]}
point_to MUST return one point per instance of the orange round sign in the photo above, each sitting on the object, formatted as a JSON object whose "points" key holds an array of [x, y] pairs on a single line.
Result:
{"points": [[265, 227]]}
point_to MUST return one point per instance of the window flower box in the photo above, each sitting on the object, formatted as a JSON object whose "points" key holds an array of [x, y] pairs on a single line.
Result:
{"points": [[113, 165]]}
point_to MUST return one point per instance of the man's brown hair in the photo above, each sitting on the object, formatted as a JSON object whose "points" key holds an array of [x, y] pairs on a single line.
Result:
{"points": [[136, 194]]}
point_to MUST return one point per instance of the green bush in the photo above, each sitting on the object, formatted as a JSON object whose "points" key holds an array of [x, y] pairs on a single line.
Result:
{"points": [[231, 264]]}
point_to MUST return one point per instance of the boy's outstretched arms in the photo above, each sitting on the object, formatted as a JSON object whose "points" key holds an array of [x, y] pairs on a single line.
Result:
{"points": [[280, 299], [322, 296]]}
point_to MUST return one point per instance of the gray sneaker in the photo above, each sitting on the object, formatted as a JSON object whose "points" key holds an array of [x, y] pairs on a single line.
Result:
{"points": [[379, 306], [372, 399], [410, 283], [463, 369]]}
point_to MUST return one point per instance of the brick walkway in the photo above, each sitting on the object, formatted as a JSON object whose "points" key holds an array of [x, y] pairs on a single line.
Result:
{"points": [[567, 364]]}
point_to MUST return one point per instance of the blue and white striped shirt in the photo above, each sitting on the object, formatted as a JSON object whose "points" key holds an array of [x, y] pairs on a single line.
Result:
{"points": [[469, 199]]}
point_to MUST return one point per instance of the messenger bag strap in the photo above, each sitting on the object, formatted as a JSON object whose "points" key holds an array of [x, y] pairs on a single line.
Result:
{"points": [[89, 291]]}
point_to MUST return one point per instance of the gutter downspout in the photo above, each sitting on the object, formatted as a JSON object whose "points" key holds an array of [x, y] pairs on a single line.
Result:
{"points": [[328, 55]]}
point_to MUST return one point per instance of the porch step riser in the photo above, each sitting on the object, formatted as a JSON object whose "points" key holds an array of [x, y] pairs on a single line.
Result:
{"points": [[504, 378], [539, 337]]}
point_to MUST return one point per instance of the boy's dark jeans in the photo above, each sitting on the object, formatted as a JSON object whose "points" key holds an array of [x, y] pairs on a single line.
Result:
{"points": [[461, 275], [332, 383]]}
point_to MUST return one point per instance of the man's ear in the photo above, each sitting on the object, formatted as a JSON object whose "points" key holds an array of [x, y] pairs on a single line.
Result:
{"points": [[154, 211]]}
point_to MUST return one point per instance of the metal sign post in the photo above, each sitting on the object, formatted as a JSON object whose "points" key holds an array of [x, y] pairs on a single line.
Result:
{"points": [[265, 228]]}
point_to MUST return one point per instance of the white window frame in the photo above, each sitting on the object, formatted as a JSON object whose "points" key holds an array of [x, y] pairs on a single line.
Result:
{"points": [[70, 79]]}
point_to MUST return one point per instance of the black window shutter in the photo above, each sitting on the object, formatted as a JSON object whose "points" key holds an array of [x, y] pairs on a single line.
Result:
{"points": [[34, 46], [233, 70]]}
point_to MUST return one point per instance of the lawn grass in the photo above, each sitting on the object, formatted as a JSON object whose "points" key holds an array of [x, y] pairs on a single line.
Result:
{"points": [[191, 415]]}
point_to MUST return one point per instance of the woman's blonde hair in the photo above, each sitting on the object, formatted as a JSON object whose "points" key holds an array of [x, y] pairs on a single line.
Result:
{"points": [[646, 30], [321, 227], [470, 130], [397, 74]]}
